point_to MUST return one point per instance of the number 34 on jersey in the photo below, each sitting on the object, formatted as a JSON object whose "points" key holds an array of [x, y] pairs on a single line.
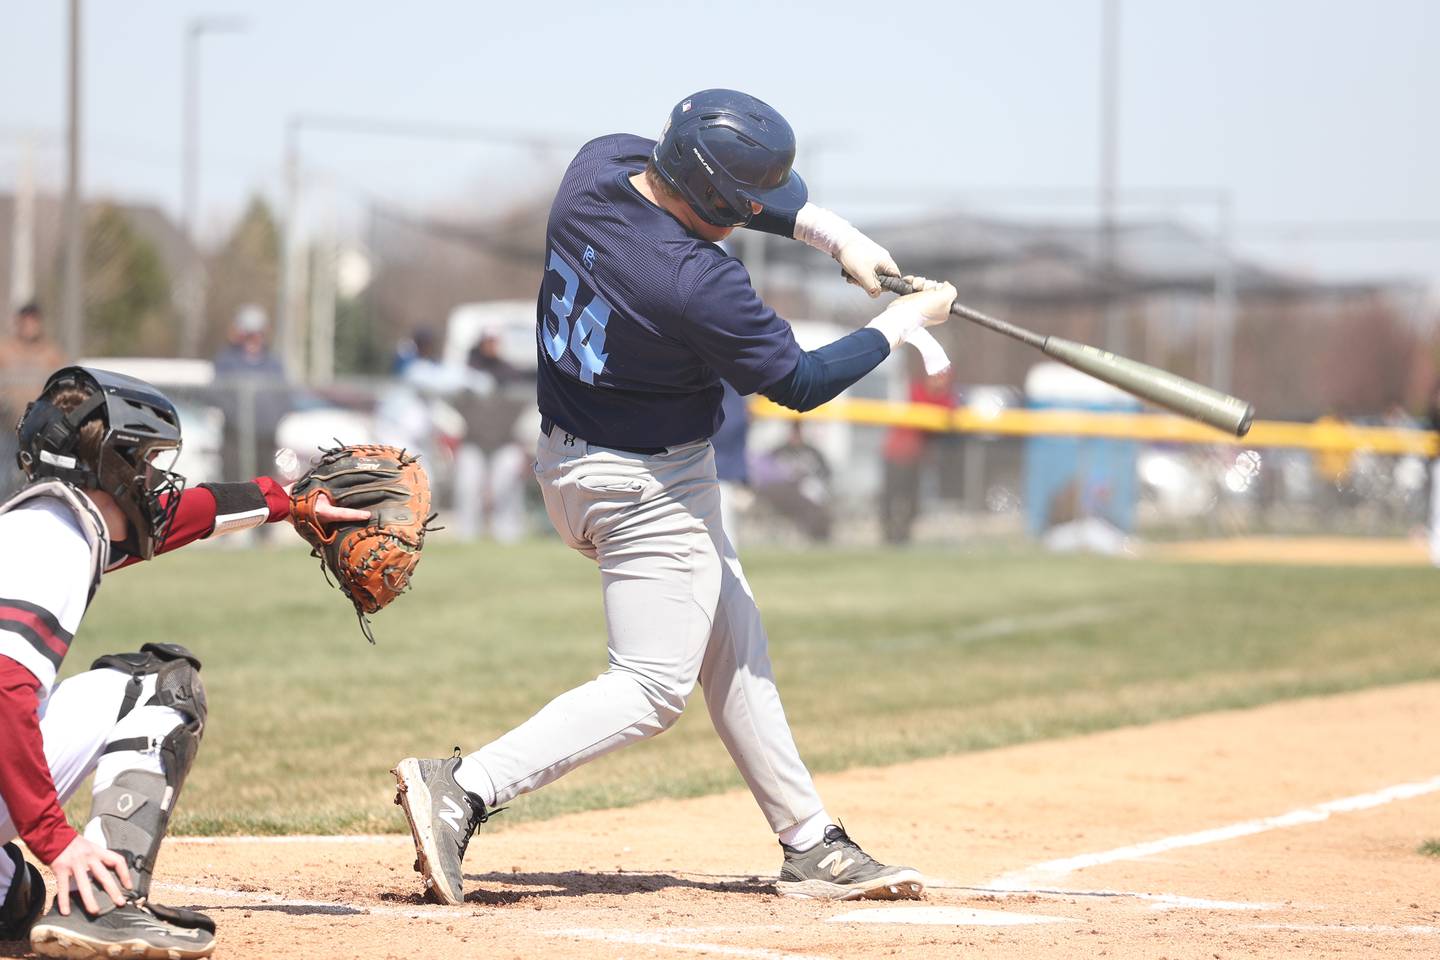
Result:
{"points": [[585, 336]]}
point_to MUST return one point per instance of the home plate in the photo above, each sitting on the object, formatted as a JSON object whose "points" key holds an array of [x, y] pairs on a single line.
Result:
{"points": [[944, 916]]}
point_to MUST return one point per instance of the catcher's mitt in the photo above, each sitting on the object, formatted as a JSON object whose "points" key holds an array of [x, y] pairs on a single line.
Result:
{"points": [[372, 560]]}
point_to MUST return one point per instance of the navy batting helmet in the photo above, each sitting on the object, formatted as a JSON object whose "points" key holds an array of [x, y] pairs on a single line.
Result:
{"points": [[723, 150]]}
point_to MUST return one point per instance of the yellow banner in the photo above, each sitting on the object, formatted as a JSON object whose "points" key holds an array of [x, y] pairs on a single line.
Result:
{"points": [[1153, 427]]}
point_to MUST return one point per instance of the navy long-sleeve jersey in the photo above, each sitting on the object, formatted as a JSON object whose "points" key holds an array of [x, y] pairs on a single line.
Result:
{"points": [[637, 320]]}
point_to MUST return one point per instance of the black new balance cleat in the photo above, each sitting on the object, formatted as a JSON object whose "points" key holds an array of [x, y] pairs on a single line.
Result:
{"points": [[443, 816], [25, 899], [136, 931], [837, 869]]}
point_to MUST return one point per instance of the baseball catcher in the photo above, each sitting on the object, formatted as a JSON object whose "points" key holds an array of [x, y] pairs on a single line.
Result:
{"points": [[371, 560], [95, 448]]}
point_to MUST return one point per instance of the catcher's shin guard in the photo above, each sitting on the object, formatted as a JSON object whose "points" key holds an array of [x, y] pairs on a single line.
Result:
{"points": [[149, 754]]}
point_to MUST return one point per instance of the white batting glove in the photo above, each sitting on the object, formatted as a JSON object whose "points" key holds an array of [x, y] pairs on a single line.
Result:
{"points": [[861, 258], [926, 307], [931, 297]]}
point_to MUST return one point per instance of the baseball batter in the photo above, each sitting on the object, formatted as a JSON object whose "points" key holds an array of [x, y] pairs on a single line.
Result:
{"points": [[98, 500], [640, 315]]}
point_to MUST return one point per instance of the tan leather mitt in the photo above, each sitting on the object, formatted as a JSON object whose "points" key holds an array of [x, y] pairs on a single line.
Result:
{"points": [[372, 562]]}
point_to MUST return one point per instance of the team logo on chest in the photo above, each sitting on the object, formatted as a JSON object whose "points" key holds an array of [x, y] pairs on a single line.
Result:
{"points": [[589, 258]]}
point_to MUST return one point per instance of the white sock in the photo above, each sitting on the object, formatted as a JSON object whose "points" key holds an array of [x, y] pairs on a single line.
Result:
{"points": [[807, 832], [474, 779]]}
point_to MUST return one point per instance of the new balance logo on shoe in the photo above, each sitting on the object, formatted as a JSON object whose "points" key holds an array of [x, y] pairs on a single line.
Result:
{"points": [[836, 864], [452, 814]]}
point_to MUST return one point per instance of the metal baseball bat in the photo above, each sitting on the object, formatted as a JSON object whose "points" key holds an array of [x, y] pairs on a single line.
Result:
{"points": [[1160, 387]]}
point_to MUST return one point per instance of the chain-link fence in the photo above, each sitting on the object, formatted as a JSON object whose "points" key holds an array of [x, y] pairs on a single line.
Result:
{"points": [[883, 468]]}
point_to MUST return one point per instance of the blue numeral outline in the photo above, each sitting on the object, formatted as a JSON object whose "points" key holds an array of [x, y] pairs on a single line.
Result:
{"points": [[587, 339]]}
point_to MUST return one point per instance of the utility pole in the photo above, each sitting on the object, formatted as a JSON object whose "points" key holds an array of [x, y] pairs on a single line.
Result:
{"points": [[22, 231], [287, 313], [72, 285], [1114, 329], [192, 286]]}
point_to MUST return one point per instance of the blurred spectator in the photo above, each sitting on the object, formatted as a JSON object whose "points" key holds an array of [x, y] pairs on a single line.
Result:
{"points": [[426, 373], [490, 465], [247, 354], [405, 414], [731, 467], [794, 479], [250, 379], [1335, 465], [423, 364], [404, 355], [485, 358], [27, 358], [907, 450]]}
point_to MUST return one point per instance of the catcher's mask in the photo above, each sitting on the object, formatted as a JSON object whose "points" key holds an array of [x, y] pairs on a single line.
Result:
{"points": [[140, 441]]}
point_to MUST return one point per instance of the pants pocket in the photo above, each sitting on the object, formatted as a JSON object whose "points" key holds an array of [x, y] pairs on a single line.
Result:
{"points": [[603, 484]]}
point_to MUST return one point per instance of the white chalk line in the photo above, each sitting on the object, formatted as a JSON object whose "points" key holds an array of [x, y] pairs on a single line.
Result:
{"points": [[1053, 870], [663, 938], [945, 917], [260, 898], [667, 939], [1158, 901], [294, 838], [1345, 928]]}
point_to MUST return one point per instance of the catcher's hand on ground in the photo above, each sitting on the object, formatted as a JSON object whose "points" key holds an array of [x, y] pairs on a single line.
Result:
{"points": [[364, 510]]}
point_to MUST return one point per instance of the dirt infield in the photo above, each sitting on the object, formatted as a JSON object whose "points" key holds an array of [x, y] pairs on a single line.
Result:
{"points": [[1288, 830], [1320, 551]]}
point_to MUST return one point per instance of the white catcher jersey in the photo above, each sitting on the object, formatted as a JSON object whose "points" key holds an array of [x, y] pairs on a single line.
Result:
{"points": [[55, 548]]}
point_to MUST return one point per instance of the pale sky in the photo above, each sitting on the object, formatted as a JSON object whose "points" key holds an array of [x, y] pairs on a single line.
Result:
{"points": [[1302, 110]]}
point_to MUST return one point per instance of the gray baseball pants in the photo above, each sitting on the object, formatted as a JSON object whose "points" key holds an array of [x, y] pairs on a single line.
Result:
{"points": [[677, 609]]}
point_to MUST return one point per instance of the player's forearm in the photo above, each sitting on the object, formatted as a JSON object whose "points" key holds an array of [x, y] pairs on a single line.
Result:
{"points": [[212, 509], [239, 506], [822, 375], [823, 229], [775, 222], [25, 782], [863, 260]]}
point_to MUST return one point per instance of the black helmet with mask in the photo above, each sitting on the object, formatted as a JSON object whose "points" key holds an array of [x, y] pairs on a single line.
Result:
{"points": [[140, 438]]}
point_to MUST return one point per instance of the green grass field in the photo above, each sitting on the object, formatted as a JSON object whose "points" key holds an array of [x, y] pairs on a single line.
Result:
{"points": [[882, 656]]}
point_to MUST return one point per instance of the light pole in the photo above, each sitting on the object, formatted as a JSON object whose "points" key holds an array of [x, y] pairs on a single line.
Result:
{"points": [[1114, 329], [192, 290], [72, 286]]}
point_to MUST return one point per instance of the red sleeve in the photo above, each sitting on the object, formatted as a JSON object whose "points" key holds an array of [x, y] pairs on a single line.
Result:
{"points": [[25, 782], [195, 519], [275, 497]]}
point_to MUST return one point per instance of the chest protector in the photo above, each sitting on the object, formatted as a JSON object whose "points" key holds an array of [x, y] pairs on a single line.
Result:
{"points": [[87, 517]]}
